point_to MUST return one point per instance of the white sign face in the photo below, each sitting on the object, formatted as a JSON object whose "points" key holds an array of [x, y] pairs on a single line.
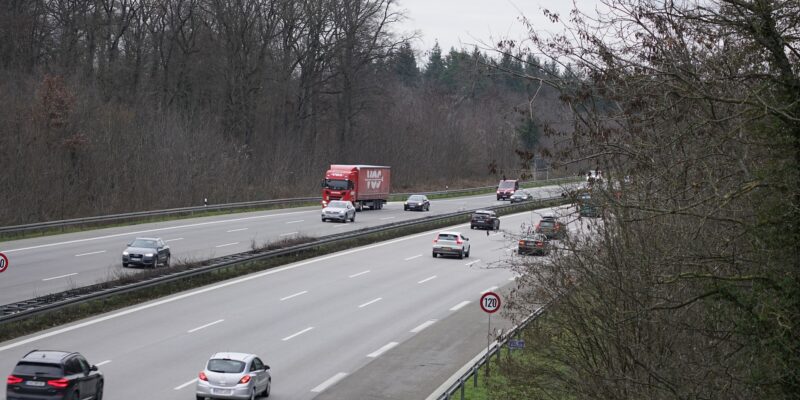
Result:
{"points": [[490, 302]]}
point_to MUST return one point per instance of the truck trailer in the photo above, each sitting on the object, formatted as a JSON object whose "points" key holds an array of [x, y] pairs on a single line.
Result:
{"points": [[362, 185]]}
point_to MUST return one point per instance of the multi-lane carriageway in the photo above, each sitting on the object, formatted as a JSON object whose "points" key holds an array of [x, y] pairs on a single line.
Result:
{"points": [[315, 322]]}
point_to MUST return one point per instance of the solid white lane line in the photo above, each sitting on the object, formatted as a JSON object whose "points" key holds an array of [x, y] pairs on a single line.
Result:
{"points": [[60, 276], [186, 384], [204, 326], [489, 289], [359, 274], [288, 234], [427, 279], [88, 254], [473, 262], [290, 337], [101, 363], [227, 244], [155, 230], [294, 295], [459, 305], [341, 226], [382, 350], [330, 382], [237, 230], [210, 289], [295, 222], [173, 240], [413, 257], [383, 219], [423, 326], [370, 302]]}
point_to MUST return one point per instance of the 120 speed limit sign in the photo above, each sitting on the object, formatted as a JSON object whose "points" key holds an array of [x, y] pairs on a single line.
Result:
{"points": [[3, 262], [490, 302]]}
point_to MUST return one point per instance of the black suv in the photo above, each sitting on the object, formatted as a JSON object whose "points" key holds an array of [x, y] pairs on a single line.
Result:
{"points": [[484, 219], [47, 374]]}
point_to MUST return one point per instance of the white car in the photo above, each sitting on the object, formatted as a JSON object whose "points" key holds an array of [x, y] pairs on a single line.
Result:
{"points": [[339, 210], [451, 244]]}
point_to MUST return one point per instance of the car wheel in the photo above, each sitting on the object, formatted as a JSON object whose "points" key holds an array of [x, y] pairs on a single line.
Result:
{"points": [[268, 388], [467, 255], [461, 255], [75, 396], [200, 397], [125, 265], [253, 394], [434, 254], [166, 262], [428, 207], [472, 227], [323, 220], [353, 219], [98, 393], [405, 208]]}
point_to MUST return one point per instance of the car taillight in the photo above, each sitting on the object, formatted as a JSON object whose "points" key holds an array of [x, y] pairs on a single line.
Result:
{"points": [[245, 379], [13, 380], [537, 226], [459, 241], [435, 240], [58, 383], [202, 376], [522, 243], [539, 244]]}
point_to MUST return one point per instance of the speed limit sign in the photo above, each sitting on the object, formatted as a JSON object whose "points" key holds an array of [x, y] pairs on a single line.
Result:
{"points": [[490, 302], [3, 262]]}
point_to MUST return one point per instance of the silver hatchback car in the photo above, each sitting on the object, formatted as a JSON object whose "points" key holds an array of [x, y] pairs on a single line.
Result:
{"points": [[234, 376]]}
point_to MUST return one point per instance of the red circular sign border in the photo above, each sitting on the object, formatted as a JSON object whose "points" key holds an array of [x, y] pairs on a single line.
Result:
{"points": [[7, 263], [498, 302]]}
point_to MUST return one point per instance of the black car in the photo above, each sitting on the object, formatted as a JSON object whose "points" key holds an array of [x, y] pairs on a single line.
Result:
{"points": [[417, 202], [484, 219], [551, 227], [520, 196], [148, 252], [536, 244], [50, 375]]}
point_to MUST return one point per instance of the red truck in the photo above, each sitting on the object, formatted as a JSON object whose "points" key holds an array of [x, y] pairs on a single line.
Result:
{"points": [[362, 185]]}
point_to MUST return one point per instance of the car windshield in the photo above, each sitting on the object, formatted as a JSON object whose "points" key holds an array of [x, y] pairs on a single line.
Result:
{"points": [[416, 198], [337, 204], [146, 243], [447, 236], [225, 366], [506, 184], [337, 184], [38, 369]]}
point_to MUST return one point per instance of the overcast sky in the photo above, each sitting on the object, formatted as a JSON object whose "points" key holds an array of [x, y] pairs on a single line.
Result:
{"points": [[465, 23]]}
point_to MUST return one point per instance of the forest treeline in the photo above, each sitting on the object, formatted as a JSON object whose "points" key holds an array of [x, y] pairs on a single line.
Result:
{"points": [[121, 105]]}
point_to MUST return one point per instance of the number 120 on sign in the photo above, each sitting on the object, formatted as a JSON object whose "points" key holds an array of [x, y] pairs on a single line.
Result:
{"points": [[490, 302]]}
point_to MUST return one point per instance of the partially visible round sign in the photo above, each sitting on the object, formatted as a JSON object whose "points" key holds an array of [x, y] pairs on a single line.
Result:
{"points": [[3, 262], [490, 302]]}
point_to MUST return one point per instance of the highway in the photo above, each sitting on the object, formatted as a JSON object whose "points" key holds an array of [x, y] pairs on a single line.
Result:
{"points": [[49, 264], [314, 322]]}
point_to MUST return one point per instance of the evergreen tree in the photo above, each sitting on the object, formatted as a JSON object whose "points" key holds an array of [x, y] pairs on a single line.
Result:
{"points": [[434, 70], [405, 64]]}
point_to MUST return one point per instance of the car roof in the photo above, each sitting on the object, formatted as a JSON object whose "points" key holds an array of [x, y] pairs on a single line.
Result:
{"points": [[49, 356], [147, 238], [484, 212], [244, 357], [449, 233]]}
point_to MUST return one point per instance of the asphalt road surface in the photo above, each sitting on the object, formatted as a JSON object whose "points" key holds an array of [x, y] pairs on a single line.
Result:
{"points": [[315, 322], [39, 266]]}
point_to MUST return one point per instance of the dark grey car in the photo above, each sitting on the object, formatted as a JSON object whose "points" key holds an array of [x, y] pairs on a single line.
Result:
{"points": [[54, 375], [148, 252]]}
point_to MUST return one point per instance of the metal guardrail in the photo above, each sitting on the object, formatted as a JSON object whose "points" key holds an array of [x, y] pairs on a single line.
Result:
{"points": [[494, 349], [27, 308], [219, 207]]}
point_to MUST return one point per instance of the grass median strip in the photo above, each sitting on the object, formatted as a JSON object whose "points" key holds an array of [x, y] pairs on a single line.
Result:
{"points": [[70, 313]]}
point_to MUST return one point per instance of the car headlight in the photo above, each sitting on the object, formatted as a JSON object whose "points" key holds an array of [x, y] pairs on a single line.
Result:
{"points": [[148, 254], [125, 253], [406, 203]]}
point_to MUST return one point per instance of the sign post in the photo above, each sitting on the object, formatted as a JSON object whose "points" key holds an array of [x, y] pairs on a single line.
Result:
{"points": [[490, 303], [3, 263]]}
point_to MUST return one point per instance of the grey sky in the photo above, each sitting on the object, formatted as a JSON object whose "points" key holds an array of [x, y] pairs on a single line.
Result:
{"points": [[465, 23]]}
